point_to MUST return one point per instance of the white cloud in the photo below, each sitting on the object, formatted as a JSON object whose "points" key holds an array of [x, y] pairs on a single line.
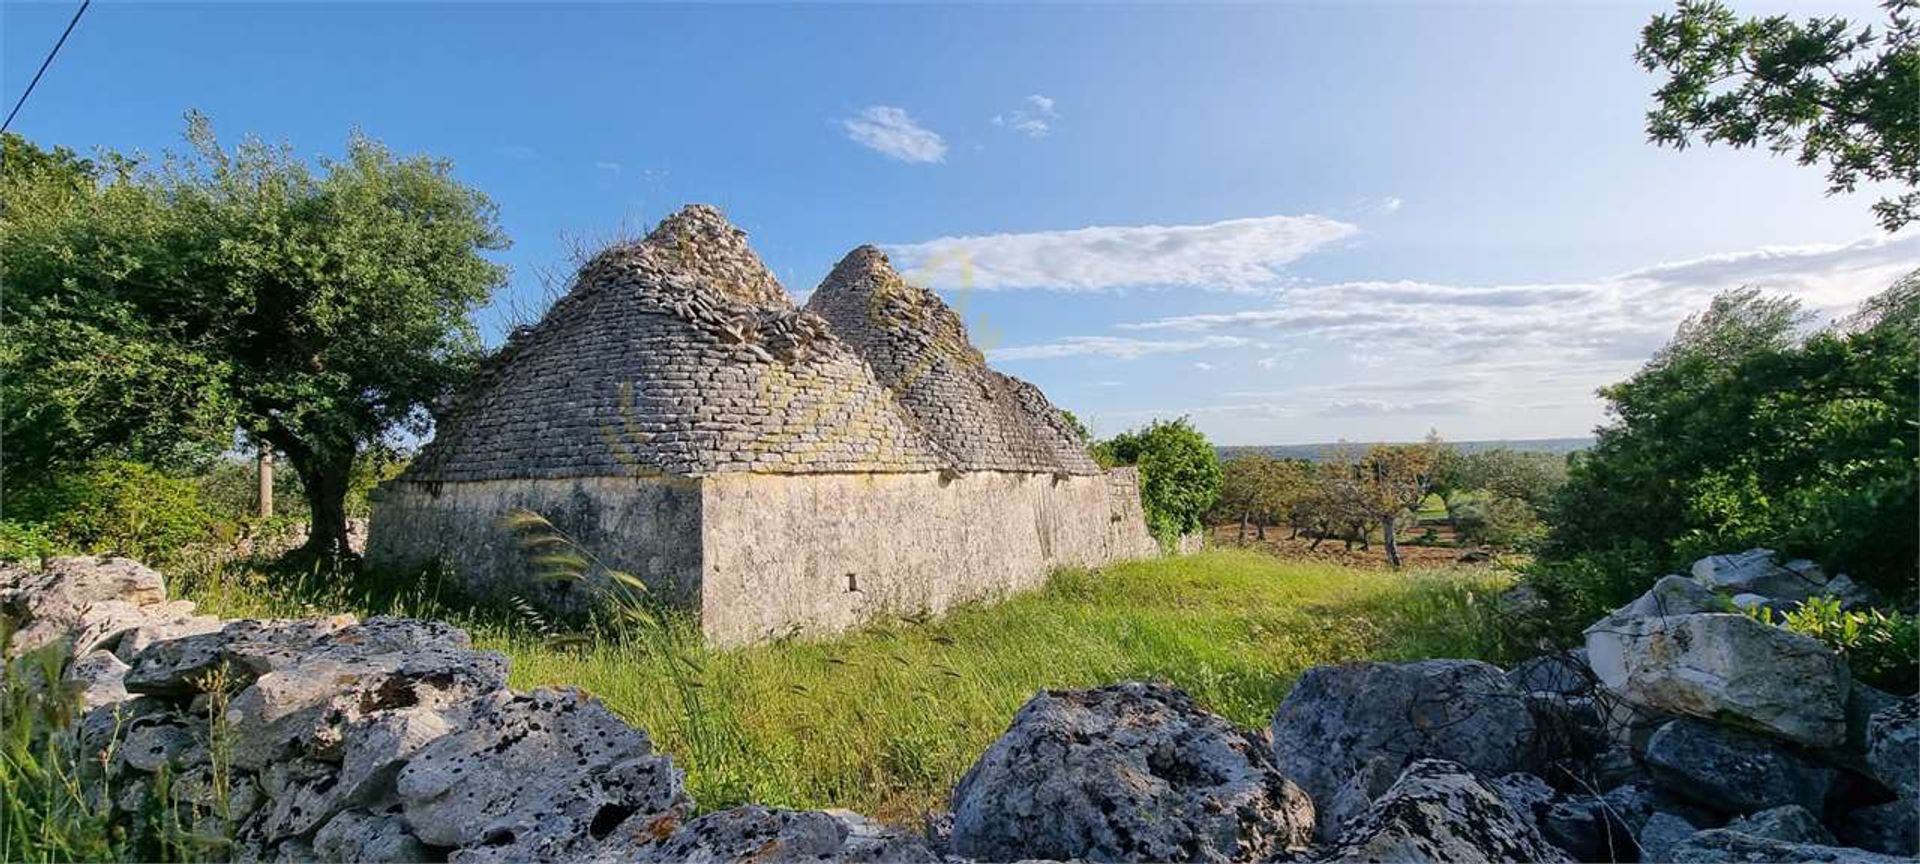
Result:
{"points": [[1113, 346], [1232, 255], [609, 167], [1033, 121], [891, 132], [1204, 366], [1441, 351], [1391, 205]]}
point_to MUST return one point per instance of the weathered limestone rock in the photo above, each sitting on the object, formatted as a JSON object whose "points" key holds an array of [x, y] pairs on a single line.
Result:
{"points": [[161, 740], [1439, 812], [1359, 792], [1790, 823], [515, 777], [1733, 772], [1756, 571], [762, 834], [1893, 747], [1661, 834], [242, 650], [1130, 772], [302, 705], [79, 601], [1725, 845], [1892, 828], [1339, 717], [357, 835], [98, 679], [1725, 667]]}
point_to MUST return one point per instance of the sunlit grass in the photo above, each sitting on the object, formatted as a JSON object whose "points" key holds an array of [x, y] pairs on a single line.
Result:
{"points": [[885, 719]]}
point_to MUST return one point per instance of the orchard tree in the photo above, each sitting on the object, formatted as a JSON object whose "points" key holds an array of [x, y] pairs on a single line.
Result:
{"points": [[1822, 89], [1392, 480], [324, 306]]}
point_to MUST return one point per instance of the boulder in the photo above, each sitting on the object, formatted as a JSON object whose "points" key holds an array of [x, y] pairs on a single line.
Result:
{"points": [[97, 679], [1732, 772], [762, 834], [1337, 718], [1791, 823], [1757, 571], [1358, 793], [1892, 827], [1728, 668], [358, 835], [1669, 596], [1565, 673], [241, 650], [1725, 845], [81, 602], [1893, 747], [1437, 811], [1863, 702], [530, 775], [1662, 832], [1129, 772], [302, 704]]}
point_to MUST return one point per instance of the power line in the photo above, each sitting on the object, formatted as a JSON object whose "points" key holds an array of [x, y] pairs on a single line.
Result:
{"points": [[45, 63]]}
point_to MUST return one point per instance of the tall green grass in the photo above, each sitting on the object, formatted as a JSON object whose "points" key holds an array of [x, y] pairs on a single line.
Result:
{"points": [[886, 718]]}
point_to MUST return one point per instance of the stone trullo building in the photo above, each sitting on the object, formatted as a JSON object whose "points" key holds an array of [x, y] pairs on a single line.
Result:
{"points": [[776, 468]]}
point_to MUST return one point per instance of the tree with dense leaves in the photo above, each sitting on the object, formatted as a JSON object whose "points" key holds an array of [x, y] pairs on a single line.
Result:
{"points": [[1744, 432], [1258, 490], [1179, 474], [1393, 479], [315, 310], [1821, 89]]}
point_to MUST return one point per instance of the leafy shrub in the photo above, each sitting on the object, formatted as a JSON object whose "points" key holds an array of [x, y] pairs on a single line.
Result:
{"points": [[1179, 474], [27, 541], [1881, 648], [1742, 432], [1582, 589], [122, 507], [1498, 520]]}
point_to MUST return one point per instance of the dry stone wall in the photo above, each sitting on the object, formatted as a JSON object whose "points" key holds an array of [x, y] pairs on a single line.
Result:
{"points": [[395, 740]]}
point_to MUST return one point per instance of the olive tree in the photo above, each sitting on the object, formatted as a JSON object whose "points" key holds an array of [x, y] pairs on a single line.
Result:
{"points": [[316, 307]]}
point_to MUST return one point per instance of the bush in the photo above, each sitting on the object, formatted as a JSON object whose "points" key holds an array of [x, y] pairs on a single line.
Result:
{"points": [[1498, 520], [118, 506], [1179, 474], [28, 541], [1881, 648], [1582, 589], [1742, 432]]}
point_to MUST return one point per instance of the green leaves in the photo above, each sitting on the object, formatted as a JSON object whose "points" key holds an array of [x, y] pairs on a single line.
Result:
{"points": [[1815, 89], [152, 309], [1179, 473]]}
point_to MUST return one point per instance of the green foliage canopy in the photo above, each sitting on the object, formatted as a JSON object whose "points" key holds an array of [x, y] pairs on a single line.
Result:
{"points": [[1741, 433], [315, 309], [1820, 89], [1179, 473]]}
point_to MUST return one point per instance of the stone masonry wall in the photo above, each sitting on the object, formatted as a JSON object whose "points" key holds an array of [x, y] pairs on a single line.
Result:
{"points": [[649, 527], [825, 552]]}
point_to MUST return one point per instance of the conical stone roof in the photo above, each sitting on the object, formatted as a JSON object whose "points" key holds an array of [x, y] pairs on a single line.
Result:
{"points": [[976, 418], [678, 355]]}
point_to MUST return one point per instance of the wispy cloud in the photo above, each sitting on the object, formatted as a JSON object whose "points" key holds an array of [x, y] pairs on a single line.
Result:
{"points": [[1034, 120], [1114, 346], [1232, 255], [609, 167], [890, 132], [1391, 205], [1539, 345]]}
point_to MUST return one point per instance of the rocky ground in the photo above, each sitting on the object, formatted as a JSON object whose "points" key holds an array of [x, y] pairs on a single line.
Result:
{"points": [[1680, 733]]}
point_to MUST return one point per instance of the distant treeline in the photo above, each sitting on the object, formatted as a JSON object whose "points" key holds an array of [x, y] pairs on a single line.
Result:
{"points": [[1322, 452]]}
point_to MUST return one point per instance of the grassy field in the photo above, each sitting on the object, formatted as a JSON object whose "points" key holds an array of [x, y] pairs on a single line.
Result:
{"points": [[885, 719]]}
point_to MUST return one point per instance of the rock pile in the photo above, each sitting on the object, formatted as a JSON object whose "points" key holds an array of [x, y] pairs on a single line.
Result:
{"points": [[1676, 735]]}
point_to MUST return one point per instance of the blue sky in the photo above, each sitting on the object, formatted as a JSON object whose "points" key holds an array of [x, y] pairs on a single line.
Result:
{"points": [[1291, 222]]}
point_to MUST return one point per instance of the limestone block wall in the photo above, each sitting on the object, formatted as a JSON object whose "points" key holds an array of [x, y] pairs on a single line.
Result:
{"points": [[647, 526], [823, 552]]}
